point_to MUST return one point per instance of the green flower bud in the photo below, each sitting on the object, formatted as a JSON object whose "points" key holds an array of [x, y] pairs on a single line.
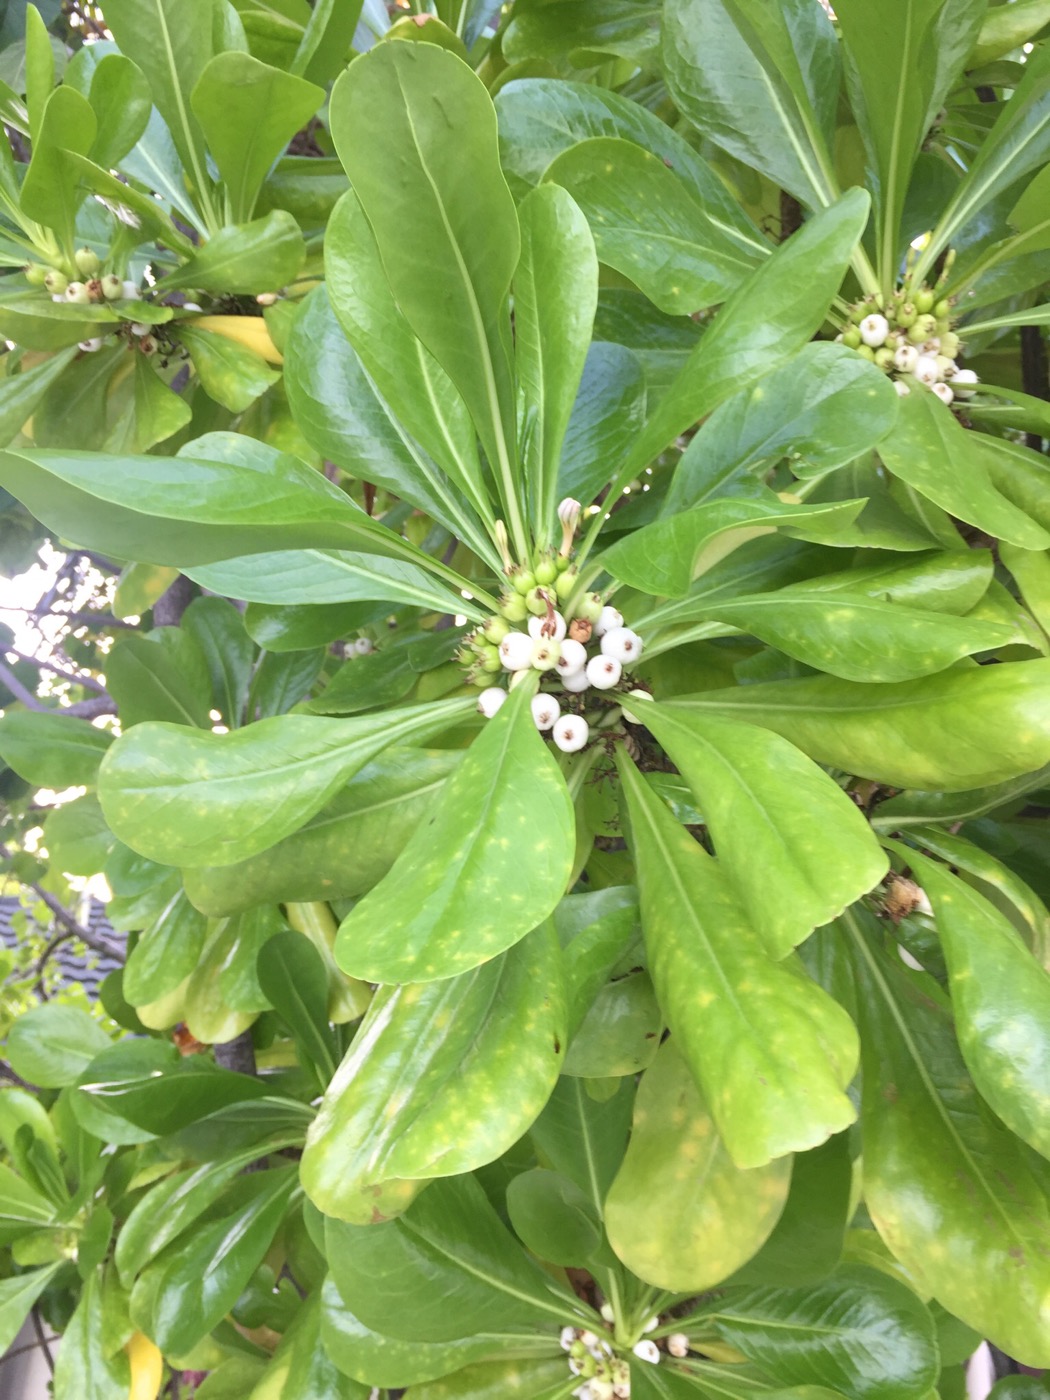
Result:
{"points": [[851, 338], [922, 330], [36, 274], [578, 1351], [536, 601], [884, 357], [512, 607], [489, 660], [112, 287], [590, 607], [923, 299], [561, 562], [566, 583], [943, 309], [522, 581], [546, 570], [906, 315], [87, 261], [588, 1367], [866, 352], [496, 629], [56, 282], [944, 326]]}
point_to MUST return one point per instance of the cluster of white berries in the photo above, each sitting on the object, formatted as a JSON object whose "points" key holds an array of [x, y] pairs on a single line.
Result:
{"points": [[360, 646], [95, 289], [603, 1374], [910, 337]]}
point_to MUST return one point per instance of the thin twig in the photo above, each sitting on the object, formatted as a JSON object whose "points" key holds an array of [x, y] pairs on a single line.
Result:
{"points": [[6, 1072], [91, 709], [38, 1328], [18, 690], [88, 682], [97, 941]]}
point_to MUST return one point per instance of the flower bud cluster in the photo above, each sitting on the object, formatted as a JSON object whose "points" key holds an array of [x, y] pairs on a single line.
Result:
{"points": [[604, 1375], [96, 287], [910, 337]]}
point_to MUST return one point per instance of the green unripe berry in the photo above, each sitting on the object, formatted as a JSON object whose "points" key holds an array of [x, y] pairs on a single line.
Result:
{"points": [[78, 294], [56, 282], [922, 330], [561, 562], [588, 1367], [923, 300], [851, 338], [536, 601], [949, 344], [495, 630], [906, 315], [112, 287], [884, 357], [566, 583], [862, 308], [546, 571], [944, 327], [490, 661], [87, 261], [866, 353], [943, 309], [578, 1351], [523, 581], [512, 607], [545, 654], [36, 274], [590, 607]]}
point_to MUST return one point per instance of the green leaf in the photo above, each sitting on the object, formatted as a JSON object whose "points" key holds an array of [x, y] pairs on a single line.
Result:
{"points": [[207, 799], [451, 204], [1000, 997], [763, 324], [555, 298], [228, 650], [442, 910], [166, 952], [680, 1214], [365, 683], [823, 408], [205, 1276], [159, 676], [447, 1268], [933, 453], [609, 411], [158, 413], [859, 1333], [85, 1367], [443, 1077], [499, 1380], [961, 729], [223, 996], [553, 1217], [248, 113], [52, 1045], [301, 1368], [231, 374], [583, 30], [770, 1050], [77, 838], [37, 323], [39, 69], [293, 977], [761, 81], [120, 98], [164, 1103], [762, 799], [17, 1296], [47, 196], [620, 1031], [345, 850], [650, 225], [261, 256], [1006, 28], [946, 1185], [583, 1139], [666, 556], [326, 39], [21, 393], [52, 750]]}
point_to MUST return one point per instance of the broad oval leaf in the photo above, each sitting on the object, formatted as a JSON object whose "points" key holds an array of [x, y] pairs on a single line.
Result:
{"points": [[771, 1051], [441, 910], [762, 801], [52, 750], [680, 1214], [441, 1078], [187, 798]]}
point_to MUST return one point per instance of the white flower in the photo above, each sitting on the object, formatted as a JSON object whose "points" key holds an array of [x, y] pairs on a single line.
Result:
{"points": [[963, 381], [572, 660], [651, 1325], [943, 392], [589, 1339], [537, 624], [569, 512], [905, 358], [874, 329], [489, 702], [567, 1335], [571, 733], [515, 651], [190, 306], [140, 328], [576, 682], [545, 710], [545, 655], [131, 291], [926, 370], [902, 388], [603, 672], [623, 644], [90, 346], [362, 647], [608, 620], [647, 1351], [607, 1312], [678, 1344]]}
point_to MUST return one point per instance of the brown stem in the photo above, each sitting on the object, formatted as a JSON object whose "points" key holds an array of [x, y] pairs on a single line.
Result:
{"points": [[18, 690], [96, 941], [169, 607]]}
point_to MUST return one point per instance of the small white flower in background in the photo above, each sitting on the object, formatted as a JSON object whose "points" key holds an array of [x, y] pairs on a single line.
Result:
{"points": [[545, 710], [571, 733], [569, 511], [874, 329], [902, 389], [363, 647], [537, 624], [926, 370], [623, 644], [130, 290], [489, 701], [678, 1344], [943, 392], [567, 1335], [266, 298], [576, 682], [608, 620], [515, 651], [905, 358], [964, 382], [90, 346], [607, 1312], [140, 328], [589, 1339], [603, 672], [190, 306], [651, 1325], [572, 660], [647, 1351]]}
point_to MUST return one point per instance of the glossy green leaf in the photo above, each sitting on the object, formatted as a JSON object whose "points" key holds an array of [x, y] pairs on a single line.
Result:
{"points": [[52, 1045], [859, 1333], [650, 225], [52, 750], [230, 373], [946, 1185], [204, 1277], [120, 98], [619, 1033], [46, 196], [84, 1366], [917, 808], [206, 799], [440, 911], [770, 1050], [365, 683], [762, 800], [326, 39], [301, 1368], [345, 850], [21, 393], [1000, 997], [1005, 28], [17, 1297], [33, 321], [666, 556], [451, 203], [961, 729], [293, 976], [261, 256], [555, 298], [165, 1103], [761, 82], [248, 113], [443, 1077], [166, 952], [584, 1139], [582, 31], [680, 1214], [159, 676], [609, 410], [223, 995], [229, 652], [447, 1268], [498, 1380], [554, 1217]]}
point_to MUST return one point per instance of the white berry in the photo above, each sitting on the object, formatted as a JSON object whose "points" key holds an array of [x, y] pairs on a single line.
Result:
{"points": [[589, 1339], [943, 392], [608, 619], [490, 700], [647, 1351], [601, 1389], [537, 624], [623, 644], [545, 710], [515, 651], [607, 1312], [90, 346], [926, 370], [905, 358], [963, 382], [362, 647], [651, 1325], [603, 672], [576, 682], [573, 657], [567, 1335], [571, 733], [874, 329], [130, 291], [678, 1344]]}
